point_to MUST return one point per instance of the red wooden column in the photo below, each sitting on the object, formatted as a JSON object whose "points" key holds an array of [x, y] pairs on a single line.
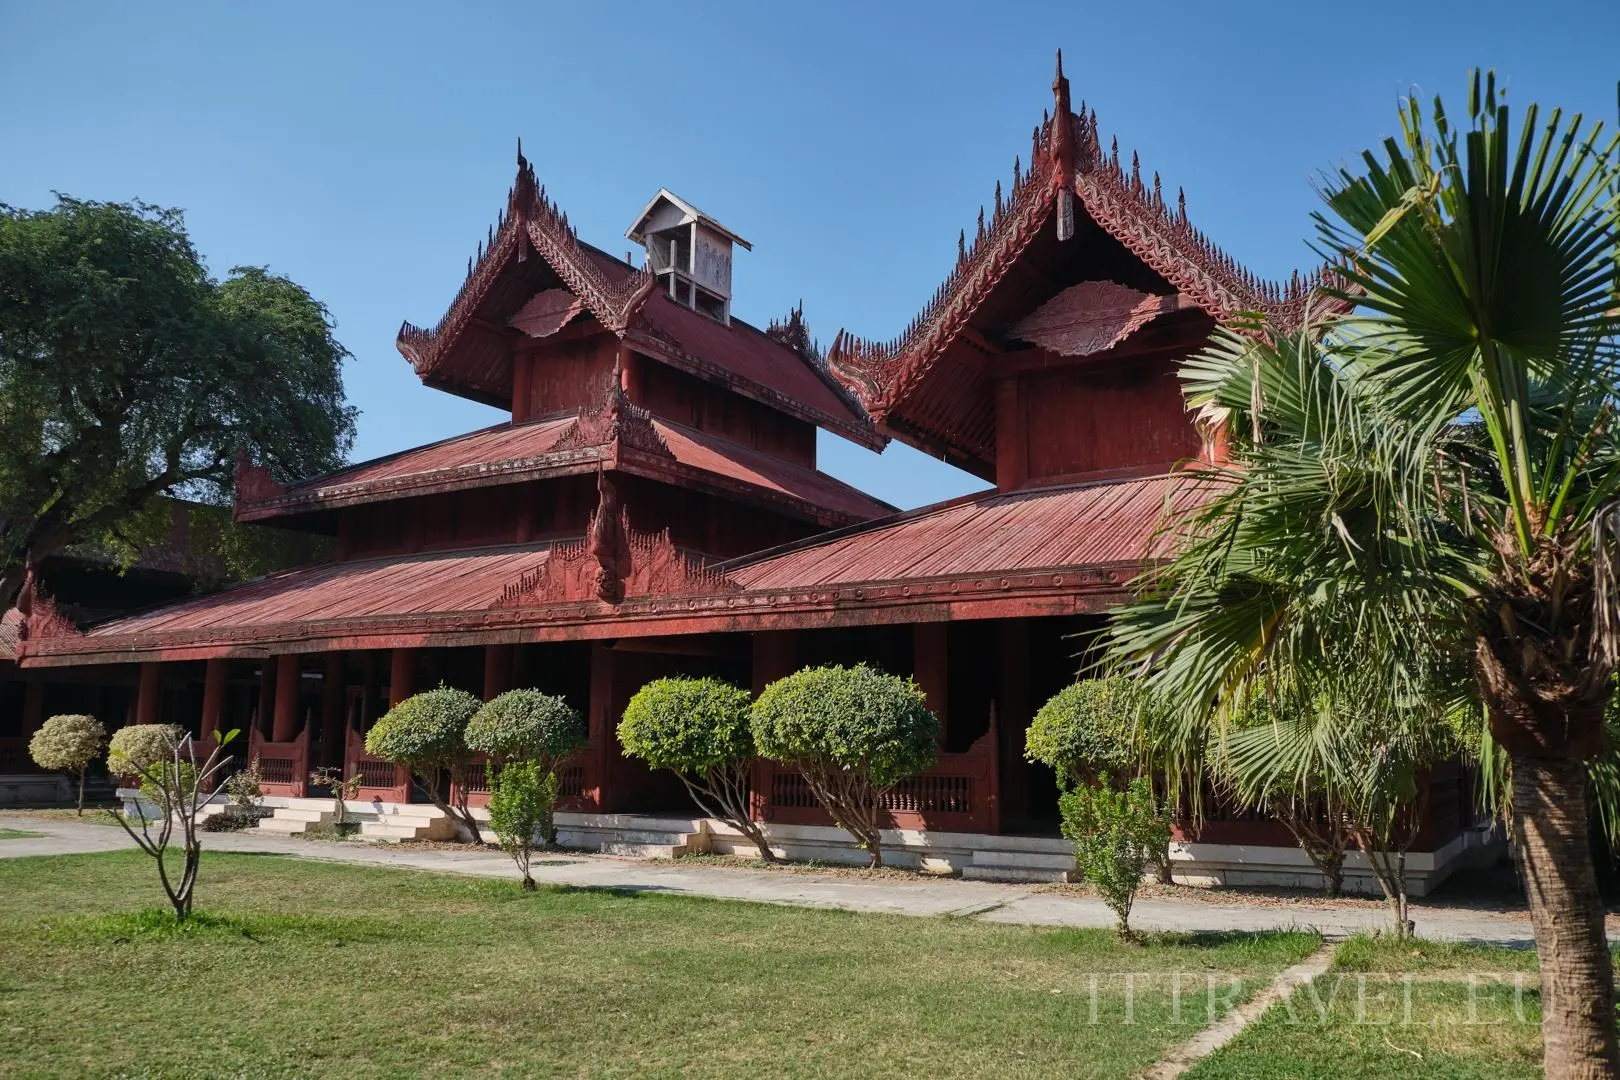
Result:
{"points": [[775, 655], [1013, 713], [600, 726], [930, 665], [149, 694], [267, 698], [497, 669], [33, 715], [286, 707], [401, 675], [522, 369], [213, 706], [333, 722], [1012, 448]]}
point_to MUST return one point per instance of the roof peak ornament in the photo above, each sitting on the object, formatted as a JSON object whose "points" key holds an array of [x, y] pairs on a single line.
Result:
{"points": [[1063, 152]]}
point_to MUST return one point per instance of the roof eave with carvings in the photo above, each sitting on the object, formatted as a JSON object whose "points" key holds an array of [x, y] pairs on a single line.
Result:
{"points": [[1067, 157]]}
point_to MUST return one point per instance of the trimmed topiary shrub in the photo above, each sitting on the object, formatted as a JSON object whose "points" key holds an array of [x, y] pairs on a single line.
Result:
{"points": [[427, 733], [68, 744], [1087, 729], [852, 733], [526, 725], [136, 748], [701, 730]]}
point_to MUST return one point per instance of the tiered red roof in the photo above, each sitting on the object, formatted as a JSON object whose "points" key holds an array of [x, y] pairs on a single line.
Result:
{"points": [[1067, 158], [464, 353]]}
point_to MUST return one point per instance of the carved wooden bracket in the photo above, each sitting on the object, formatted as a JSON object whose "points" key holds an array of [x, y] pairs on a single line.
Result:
{"points": [[1090, 317]]}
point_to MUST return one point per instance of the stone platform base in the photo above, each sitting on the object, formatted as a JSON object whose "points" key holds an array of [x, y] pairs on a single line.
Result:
{"points": [[970, 855]]}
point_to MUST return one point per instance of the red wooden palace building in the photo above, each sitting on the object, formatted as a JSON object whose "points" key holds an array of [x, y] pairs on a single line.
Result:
{"points": [[653, 505]]}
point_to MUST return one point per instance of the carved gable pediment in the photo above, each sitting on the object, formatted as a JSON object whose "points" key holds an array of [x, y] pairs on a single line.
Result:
{"points": [[1090, 317], [613, 563]]}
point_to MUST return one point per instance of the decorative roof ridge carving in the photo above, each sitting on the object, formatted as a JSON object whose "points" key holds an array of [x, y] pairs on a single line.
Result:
{"points": [[253, 483], [616, 421], [530, 222], [42, 620], [1066, 158], [613, 562]]}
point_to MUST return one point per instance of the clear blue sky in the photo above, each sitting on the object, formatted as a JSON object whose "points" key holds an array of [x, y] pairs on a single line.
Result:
{"points": [[363, 149]]}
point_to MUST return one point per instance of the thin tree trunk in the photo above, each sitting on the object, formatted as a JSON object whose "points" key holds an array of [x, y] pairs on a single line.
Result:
{"points": [[81, 793], [1577, 976]]}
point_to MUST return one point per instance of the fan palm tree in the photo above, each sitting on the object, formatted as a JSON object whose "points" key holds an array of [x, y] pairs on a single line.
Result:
{"points": [[1435, 473]]}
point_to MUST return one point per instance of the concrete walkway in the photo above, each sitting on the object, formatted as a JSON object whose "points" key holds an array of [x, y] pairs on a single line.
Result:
{"points": [[989, 901]]}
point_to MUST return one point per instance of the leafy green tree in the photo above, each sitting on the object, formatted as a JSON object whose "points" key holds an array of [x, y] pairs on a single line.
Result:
{"points": [[1104, 726], [1115, 834], [135, 746], [68, 744], [853, 733], [180, 786], [1088, 729], [1303, 798], [427, 733], [521, 799], [1436, 472], [527, 725], [127, 373], [700, 729]]}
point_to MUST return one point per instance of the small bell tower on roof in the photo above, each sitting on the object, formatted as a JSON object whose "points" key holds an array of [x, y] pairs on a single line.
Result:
{"points": [[689, 253]]}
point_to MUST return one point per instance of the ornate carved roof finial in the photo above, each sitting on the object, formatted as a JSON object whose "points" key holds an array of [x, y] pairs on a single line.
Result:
{"points": [[1060, 89], [961, 246], [1181, 204]]}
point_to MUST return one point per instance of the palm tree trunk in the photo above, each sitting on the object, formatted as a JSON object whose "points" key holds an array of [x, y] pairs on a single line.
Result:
{"points": [[1577, 977]]}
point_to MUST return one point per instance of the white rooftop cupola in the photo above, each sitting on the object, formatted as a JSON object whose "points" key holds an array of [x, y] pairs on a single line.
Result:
{"points": [[689, 252]]}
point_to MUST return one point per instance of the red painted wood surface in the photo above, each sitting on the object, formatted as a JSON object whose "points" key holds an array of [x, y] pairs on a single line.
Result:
{"points": [[958, 794], [1079, 422], [1081, 525], [283, 763], [716, 411]]}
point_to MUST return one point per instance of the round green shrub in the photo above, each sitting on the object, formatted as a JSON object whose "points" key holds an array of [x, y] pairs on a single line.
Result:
{"points": [[857, 718], [137, 747], [426, 731], [67, 743], [526, 725], [688, 725], [1088, 729]]}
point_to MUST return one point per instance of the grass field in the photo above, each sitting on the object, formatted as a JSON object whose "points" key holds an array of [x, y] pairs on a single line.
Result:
{"points": [[17, 834], [313, 969], [1398, 1009]]}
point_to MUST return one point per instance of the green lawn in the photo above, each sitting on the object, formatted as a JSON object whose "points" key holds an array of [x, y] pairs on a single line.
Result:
{"points": [[315, 969], [1398, 1010], [17, 834]]}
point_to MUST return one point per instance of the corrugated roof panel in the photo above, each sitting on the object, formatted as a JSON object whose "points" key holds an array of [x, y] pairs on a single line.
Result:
{"points": [[423, 583], [1078, 525]]}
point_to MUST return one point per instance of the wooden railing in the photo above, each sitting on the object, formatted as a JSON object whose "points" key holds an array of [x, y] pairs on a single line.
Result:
{"points": [[14, 757], [570, 790], [379, 778], [283, 766], [958, 794]]}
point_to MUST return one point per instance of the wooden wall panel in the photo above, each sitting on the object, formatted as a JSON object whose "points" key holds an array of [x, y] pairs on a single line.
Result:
{"points": [[1121, 418], [688, 400], [563, 376]]}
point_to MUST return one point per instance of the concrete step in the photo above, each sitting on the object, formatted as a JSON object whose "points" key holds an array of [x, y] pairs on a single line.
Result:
{"points": [[397, 827], [642, 851], [1014, 873], [1024, 860]]}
